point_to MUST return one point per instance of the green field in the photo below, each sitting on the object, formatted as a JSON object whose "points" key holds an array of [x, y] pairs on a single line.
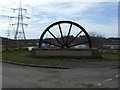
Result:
{"points": [[23, 56]]}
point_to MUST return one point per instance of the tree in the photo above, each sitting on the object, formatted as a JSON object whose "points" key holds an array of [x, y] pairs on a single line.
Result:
{"points": [[96, 34], [98, 40]]}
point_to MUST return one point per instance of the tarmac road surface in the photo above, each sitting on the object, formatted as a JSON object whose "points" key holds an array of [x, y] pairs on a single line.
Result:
{"points": [[109, 64], [16, 76]]}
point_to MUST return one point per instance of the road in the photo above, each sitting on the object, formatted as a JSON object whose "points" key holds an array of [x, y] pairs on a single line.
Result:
{"points": [[91, 64], [16, 76]]}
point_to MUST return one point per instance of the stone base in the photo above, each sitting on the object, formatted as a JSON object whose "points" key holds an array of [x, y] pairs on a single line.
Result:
{"points": [[75, 53], [111, 51]]}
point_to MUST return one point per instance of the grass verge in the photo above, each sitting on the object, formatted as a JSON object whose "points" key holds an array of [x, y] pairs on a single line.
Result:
{"points": [[22, 56]]}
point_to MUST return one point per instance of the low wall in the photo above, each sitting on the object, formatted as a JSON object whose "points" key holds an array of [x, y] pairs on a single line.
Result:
{"points": [[111, 51], [78, 53]]}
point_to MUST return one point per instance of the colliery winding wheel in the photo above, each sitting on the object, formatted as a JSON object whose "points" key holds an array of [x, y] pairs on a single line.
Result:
{"points": [[71, 34]]}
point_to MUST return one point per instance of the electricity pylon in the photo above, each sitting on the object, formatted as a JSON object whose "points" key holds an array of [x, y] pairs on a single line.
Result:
{"points": [[20, 31]]}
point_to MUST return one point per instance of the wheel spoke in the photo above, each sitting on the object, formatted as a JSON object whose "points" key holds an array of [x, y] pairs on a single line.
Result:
{"points": [[69, 33], [61, 33], [79, 44], [51, 43], [75, 37], [55, 37]]}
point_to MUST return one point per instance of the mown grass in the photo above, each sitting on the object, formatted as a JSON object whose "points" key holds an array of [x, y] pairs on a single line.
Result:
{"points": [[23, 56]]}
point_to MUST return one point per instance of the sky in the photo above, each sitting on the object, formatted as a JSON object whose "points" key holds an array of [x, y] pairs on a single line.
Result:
{"points": [[99, 16]]}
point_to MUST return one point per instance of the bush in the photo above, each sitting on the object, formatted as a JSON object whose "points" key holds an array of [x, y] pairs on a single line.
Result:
{"points": [[10, 50]]}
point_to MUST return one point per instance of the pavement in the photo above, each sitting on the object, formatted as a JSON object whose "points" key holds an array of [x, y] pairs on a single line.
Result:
{"points": [[17, 76]]}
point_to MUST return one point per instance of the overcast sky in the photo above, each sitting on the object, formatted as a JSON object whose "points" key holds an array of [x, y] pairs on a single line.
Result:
{"points": [[100, 16]]}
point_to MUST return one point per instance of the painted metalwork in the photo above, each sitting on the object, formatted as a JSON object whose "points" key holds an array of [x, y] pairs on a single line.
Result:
{"points": [[20, 30], [65, 43]]}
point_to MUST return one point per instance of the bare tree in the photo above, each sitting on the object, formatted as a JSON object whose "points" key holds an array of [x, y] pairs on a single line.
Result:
{"points": [[96, 34], [98, 39]]}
